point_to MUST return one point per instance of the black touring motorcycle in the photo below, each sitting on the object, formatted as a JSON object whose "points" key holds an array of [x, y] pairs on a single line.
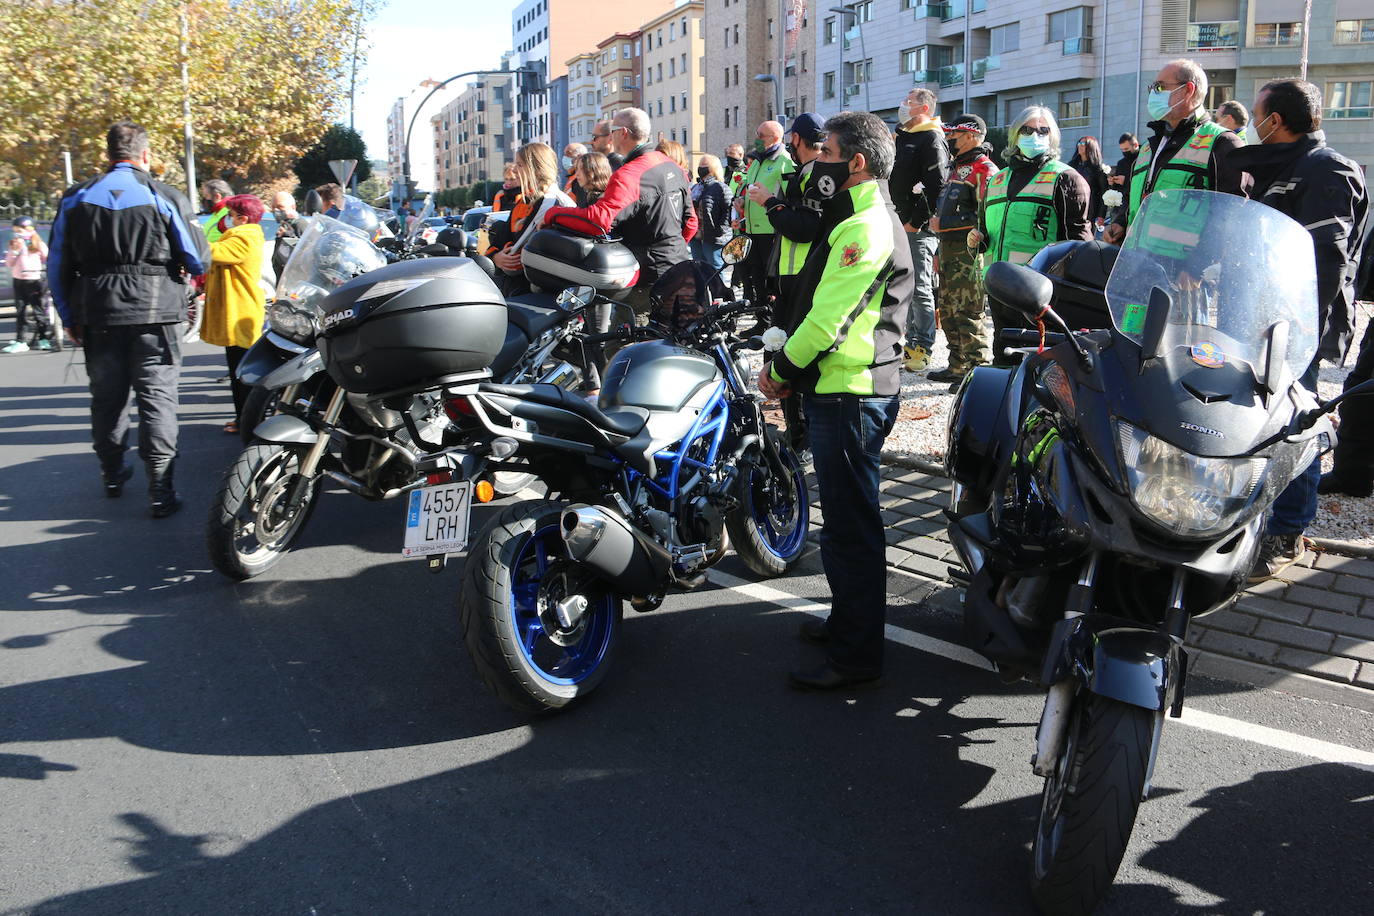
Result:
{"points": [[670, 467], [1114, 485]]}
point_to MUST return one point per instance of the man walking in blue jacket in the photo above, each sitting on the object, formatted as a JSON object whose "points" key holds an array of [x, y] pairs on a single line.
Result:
{"points": [[122, 247]]}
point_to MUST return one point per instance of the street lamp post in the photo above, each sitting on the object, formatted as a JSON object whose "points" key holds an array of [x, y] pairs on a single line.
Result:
{"points": [[846, 11], [405, 148], [777, 92]]}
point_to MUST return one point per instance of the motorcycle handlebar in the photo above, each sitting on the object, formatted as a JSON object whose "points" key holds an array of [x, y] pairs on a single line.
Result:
{"points": [[1029, 336]]}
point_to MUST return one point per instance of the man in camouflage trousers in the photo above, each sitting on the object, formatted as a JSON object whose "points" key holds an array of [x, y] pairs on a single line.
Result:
{"points": [[961, 299]]}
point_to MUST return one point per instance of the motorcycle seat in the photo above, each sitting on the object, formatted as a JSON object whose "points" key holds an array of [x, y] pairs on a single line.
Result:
{"points": [[512, 348], [534, 313], [623, 421]]}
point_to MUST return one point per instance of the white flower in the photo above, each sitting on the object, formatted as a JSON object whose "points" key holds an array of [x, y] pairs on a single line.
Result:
{"points": [[1112, 198], [774, 339]]}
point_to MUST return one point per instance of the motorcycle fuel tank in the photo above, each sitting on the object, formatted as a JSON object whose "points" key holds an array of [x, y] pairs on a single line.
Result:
{"points": [[655, 375]]}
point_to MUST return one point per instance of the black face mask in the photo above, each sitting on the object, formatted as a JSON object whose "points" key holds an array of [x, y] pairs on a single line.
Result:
{"points": [[827, 177], [792, 151], [734, 162], [702, 172]]}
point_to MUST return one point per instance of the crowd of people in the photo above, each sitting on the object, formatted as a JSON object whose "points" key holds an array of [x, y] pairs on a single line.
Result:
{"points": [[866, 242]]}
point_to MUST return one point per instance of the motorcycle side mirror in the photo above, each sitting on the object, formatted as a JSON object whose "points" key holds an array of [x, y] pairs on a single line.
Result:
{"points": [[576, 297], [1274, 363], [736, 250], [313, 203], [1360, 390], [1156, 320], [1020, 288]]}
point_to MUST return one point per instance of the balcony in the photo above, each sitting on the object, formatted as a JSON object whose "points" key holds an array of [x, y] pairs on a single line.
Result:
{"points": [[851, 36], [982, 65], [944, 11], [1213, 36], [852, 90], [953, 75], [925, 76], [1081, 45]]}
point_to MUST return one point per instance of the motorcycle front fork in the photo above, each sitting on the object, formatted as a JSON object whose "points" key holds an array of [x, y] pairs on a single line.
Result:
{"points": [[311, 463]]}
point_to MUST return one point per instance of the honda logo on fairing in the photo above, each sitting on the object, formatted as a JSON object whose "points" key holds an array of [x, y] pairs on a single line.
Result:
{"points": [[1193, 427]]}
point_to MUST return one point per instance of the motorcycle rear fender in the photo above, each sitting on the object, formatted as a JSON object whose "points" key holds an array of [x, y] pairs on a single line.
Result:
{"points": [[285, 429], [300, 368], [982, 431], [1118, 659]]}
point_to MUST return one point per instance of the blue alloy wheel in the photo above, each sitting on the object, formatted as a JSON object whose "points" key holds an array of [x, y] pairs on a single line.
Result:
{"points": [[562, 652], [768, 530]]}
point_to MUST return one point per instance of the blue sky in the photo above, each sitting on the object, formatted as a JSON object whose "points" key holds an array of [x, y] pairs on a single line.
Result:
{"points": [[414, 40]]}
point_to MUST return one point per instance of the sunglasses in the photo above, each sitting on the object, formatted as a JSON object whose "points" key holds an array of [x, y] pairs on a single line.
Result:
{"points": [[1027, 130]]}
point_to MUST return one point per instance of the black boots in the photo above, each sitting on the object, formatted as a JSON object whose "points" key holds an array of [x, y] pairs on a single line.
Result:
{"points": [[162, 496], [114, 479]]}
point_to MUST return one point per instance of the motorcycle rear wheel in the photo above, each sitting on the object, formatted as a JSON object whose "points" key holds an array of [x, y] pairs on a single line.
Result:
{"points": [[515, 567], [251, 526], [1089, 804], [768, 529]]}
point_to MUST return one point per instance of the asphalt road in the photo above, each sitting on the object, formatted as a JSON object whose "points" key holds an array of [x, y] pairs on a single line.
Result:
{"points": [[316, 741]]}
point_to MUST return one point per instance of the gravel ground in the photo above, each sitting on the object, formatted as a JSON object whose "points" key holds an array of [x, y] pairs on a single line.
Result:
{"points": [[1338, 517]]}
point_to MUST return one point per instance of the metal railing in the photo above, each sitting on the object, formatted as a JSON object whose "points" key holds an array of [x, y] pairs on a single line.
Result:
{"points": [[1081, 45], [983, 65], [953, 75]]}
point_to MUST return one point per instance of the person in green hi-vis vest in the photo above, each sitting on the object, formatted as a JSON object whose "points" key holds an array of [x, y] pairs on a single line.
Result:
{"points": [[1188, 149], [1035, 201]]}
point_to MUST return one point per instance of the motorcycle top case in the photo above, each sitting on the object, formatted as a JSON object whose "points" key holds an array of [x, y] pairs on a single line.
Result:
{"points": [[555, 259], [411, 323]]}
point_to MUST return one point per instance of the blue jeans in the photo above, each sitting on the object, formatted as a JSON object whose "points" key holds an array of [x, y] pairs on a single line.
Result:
{"points": [[1296, 506], [707, 253], [920, 318], [847, 433]]}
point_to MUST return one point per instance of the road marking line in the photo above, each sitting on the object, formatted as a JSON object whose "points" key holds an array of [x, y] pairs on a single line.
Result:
{"points": [[1194, 718]]}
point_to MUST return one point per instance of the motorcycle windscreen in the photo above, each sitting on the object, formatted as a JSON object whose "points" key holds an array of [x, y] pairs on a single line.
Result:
{"points": [[328, 255], [1234, 269]]}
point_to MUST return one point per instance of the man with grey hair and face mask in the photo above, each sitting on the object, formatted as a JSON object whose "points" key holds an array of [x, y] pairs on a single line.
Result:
{"points": [[1188, 149]]}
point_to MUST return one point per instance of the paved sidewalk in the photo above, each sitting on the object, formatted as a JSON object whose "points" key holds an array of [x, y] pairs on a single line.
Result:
{"points": [[1310, 633]]}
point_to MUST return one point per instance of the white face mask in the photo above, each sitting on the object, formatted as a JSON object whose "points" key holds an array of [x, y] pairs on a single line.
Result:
{"points": [[903, 113], [1252, 134]]}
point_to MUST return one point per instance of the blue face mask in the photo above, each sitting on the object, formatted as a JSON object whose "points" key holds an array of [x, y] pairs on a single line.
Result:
{"points": [[1033, 146], [567, 163], [1157, 104]]}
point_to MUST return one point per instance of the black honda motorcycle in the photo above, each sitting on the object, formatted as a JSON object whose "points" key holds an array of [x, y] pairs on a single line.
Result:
{"points": [[1114, 485], [672, 466]]}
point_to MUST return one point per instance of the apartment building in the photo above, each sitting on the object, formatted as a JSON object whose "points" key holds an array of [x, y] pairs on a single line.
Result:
{"points": [[737, 50], [673, 67], [618, 73], [1090, 62], [545, 34], [471, 141], [584, 96]]}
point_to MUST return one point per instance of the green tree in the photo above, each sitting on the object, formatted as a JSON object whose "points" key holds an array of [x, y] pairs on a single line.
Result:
{"points": [[338, 142], [267, 77]]}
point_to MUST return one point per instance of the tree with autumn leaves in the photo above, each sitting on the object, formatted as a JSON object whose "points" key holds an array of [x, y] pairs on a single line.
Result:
{"points": [[267, 79]]}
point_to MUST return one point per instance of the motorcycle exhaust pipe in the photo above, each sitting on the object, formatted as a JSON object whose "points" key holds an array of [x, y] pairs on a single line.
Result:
{"points": [[610, 546]]}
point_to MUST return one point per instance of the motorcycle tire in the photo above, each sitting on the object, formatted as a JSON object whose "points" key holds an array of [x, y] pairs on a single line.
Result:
{"points": [[767, 536], [251, 502], [1089, 804], [517, 561], [195, 315]]}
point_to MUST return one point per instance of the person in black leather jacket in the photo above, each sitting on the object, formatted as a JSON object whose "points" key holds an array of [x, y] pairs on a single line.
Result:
{"points": [[713, 212], [1296, 173]]}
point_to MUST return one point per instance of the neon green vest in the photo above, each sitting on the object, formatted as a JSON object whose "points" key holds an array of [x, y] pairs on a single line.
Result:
{"points": [[1019, 226], [1189, 167], [792, 255], [769, 173], [211, 228]]}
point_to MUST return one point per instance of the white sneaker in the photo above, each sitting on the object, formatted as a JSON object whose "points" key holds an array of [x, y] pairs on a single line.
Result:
{"points": [[15, 346]]}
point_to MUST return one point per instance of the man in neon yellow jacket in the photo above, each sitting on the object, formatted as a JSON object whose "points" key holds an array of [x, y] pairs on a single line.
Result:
{"points": [[843, 358]]}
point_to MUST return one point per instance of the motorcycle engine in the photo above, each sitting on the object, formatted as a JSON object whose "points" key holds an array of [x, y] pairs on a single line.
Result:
{"points": [[702, 521]]}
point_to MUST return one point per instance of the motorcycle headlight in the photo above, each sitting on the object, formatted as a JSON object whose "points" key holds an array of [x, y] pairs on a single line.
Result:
{"points": [[1182, 492], [293, 322]]}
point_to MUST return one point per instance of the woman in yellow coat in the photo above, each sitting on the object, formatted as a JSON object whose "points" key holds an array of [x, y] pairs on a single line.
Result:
{"points": [[234, 301]]}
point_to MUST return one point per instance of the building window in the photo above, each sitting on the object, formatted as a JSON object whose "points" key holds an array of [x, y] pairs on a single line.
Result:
{"points": [[737, 33], [828, 31], [684, 61], [1349, 99], [913, 60], [727, 77], [672, 66], [684, 108], [789, 68], [1074, 28], [660, 72], [648, 77], [1005, 38], [736, 74], [770, 29], [625, 51], [1354, 31], [613, 49], [1074, 105], [727, 36], [863, 12], [828, 85]]}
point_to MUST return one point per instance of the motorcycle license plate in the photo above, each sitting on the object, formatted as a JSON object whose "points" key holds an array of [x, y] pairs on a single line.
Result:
{"points": [[437, 519]]}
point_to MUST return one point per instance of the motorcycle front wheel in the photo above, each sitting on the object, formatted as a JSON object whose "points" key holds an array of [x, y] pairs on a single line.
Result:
{"points": [[253, 522], [768, 529], [536, 650], [1089, 804]]}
